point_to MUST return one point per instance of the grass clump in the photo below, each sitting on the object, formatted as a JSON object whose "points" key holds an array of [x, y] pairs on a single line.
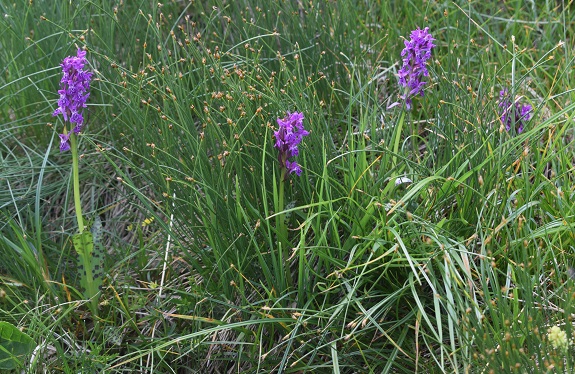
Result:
{"points": [[437, 238]]}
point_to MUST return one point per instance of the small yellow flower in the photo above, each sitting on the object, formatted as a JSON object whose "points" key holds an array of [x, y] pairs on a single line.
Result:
{"points": [[557, 337]]}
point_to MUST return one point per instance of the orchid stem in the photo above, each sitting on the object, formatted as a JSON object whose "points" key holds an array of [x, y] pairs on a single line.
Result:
{"points": [[283, 241], [76, 181]]}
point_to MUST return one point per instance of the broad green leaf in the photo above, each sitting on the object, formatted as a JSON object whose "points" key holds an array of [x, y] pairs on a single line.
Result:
{"points": [[14, 346], [89, 249], [84, 245], [97, 258]]}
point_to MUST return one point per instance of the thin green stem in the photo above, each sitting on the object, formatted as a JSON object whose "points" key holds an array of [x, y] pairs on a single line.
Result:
{"points": [[397, 138], [76, 182], [282, 230], [86, 254], [283, 242]]}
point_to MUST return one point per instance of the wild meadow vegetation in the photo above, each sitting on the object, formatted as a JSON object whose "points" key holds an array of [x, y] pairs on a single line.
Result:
{"points": [[438, 238]]}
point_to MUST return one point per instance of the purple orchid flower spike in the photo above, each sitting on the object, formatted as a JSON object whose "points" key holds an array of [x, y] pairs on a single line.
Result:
{"points": [[74, 91], [513, 113], [415, 55], [288, 137]]}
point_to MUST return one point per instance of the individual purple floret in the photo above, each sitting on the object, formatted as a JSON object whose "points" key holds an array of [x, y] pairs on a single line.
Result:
{"points": [[415, 55], [64, 142], [513, 113], [74, 88], [288, 137]]}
